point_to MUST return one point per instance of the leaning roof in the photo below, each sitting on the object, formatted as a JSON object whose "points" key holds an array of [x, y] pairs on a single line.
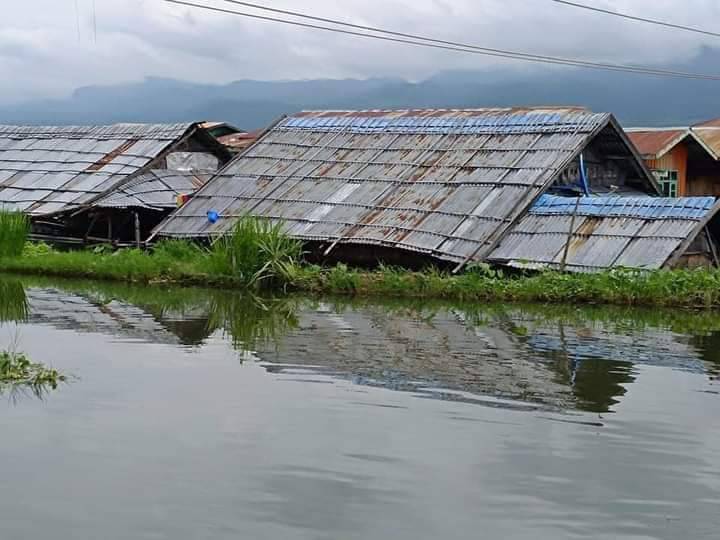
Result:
{"points": [[607, 232], [445, 183], [44, 170], [157, 189]]}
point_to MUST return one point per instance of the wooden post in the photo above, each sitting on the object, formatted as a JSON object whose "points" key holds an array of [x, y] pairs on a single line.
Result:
{"points": [[137, 229], [570, 234], [90, 227], [713, 247], [109, 232]]}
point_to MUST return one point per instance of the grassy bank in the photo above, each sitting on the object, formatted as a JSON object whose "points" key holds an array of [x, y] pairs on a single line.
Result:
{"points": [[259, 256], [180, 263]]}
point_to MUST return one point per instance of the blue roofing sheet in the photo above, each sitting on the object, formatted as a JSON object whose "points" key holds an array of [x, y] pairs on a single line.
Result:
{"points": [[476, 121], [694, 208]]}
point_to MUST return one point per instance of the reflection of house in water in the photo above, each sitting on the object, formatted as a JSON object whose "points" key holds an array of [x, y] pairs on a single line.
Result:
{"points": [[69, 311], [405, 351], [512, 354], [581, 358]]}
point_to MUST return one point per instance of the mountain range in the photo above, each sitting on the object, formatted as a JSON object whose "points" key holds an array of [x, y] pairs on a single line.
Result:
{"points": [[249, 104]]}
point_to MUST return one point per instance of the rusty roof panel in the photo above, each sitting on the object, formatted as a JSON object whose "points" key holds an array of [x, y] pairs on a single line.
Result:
{"points": [[62, 167], [655, 143], [607, 232], [444, 182], [710, 138]]}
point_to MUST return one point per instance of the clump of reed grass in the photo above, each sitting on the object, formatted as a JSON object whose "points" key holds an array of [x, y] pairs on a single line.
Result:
{"points": [[14, 230], [256, 253]]}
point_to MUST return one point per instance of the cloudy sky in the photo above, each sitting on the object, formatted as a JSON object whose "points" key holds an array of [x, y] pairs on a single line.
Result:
{"points": [[50, 47]]}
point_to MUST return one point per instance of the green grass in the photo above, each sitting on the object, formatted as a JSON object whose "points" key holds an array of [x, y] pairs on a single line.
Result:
{"points": [[14, 230], [257, 255]]}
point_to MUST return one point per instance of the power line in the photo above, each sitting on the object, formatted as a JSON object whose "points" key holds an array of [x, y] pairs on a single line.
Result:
{"points": [[636, 18], [94, 7], [491, 51], [77, 19], [438, 44]]}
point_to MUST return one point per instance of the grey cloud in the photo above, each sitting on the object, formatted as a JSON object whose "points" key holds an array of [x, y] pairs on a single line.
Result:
{"points": [[140, 38]]}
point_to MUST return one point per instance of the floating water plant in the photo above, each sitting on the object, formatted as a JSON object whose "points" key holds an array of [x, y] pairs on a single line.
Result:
{"points": [[18, 372]]}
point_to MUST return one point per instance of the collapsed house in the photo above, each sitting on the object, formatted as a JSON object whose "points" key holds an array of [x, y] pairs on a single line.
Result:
{"points": [[685, 160], [587, 234], [54, 174], [146, 199], [398, 186]]}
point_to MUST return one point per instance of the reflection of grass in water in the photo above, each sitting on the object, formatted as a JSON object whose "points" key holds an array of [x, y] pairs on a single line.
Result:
{"points": [[248, 319], [621, 319], [13, 302], [251, 321]]}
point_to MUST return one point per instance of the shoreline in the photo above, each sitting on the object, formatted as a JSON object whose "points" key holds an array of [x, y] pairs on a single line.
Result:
{"points": [[693, 289]]}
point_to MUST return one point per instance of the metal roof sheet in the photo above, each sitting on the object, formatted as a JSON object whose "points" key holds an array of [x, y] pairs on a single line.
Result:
{"points": [[445, 183], [56, 168], [605, 232], [709, 137], [155, 190], [653, 144]]}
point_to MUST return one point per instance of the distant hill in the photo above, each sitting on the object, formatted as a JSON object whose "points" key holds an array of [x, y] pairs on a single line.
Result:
{"points": [[636, 100]]}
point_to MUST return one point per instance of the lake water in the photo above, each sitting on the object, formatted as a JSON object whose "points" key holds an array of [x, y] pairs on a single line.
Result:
{"points": [[213, 415]]}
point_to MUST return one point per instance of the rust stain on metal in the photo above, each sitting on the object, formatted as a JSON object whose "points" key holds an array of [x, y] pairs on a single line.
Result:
{"points": [[110, 156], [584, 233], [652, 144]]}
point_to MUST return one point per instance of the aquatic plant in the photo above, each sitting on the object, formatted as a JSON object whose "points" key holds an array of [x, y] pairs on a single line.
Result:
{"points": [[256, 252], [17, 373], [14, 230]]}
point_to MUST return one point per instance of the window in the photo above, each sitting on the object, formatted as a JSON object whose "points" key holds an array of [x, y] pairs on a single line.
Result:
{"points": [[668, 181]]}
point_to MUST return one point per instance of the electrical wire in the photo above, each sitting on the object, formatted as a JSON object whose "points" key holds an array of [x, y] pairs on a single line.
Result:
{"points": [[77, 19], [636, 18], [416, 40], [94, 7]]}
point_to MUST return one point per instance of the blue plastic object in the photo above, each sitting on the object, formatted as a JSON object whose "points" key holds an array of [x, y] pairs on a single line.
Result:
{"points": [[213, 216], [583, 176]]}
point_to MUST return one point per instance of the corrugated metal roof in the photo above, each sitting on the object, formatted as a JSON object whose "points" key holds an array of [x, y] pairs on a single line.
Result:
{"points": [[634, 232], [48, 169], [639, 207], [715, 122], [155, 190], [709, 137], [445, 183], [653, 144]]}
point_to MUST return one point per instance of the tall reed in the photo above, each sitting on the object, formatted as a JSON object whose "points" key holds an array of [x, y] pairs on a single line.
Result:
{"points": [[14, 230], [256, 252]]}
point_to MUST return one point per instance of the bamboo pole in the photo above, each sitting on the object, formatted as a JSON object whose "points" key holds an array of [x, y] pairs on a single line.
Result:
{"points": [[570, 235]]}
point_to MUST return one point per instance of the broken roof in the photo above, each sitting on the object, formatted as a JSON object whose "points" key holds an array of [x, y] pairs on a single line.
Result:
{"points": [[444, 183], [633, 232], [45, 170], [155, 190]]}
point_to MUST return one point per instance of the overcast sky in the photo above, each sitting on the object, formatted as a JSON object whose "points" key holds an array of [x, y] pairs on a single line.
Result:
{"points": [[42, 53]]}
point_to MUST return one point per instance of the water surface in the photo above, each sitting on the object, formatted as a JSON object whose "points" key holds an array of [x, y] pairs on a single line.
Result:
{"points": [[213, 415]]}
